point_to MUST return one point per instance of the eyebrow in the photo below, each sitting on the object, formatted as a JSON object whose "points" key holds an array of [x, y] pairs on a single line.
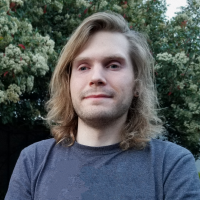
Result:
{"points": [[106, 58]]}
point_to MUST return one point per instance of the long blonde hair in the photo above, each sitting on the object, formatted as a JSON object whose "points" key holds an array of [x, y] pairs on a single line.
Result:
{"points": [[142, 120]]}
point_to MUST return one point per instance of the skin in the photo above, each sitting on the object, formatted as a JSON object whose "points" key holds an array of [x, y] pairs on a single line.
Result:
{"points": [[102, 88]]}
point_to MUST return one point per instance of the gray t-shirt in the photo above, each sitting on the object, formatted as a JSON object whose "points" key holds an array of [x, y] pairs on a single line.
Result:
{"points": [[161, 171]]}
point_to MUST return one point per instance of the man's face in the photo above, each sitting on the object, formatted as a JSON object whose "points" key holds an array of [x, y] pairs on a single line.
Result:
{"points": [[102, 79]]}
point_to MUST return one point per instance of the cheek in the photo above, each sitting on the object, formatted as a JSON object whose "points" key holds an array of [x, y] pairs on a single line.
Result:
{"points": [[72, 88], [128, 89], [76, 88], [128, 83]]}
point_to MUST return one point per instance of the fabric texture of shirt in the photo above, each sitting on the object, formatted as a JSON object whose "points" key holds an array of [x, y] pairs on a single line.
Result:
{"points": [[49, 171]]}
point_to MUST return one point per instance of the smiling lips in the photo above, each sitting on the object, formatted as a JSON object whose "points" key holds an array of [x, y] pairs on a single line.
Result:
{"points": [[97, 96]]}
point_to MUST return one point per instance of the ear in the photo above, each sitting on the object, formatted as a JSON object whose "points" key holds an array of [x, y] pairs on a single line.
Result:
{"points": [[136, 94], [137, 88]]}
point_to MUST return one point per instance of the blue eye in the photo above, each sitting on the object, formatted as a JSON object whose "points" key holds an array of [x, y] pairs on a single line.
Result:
{"points": [[82, 68], [113, 66]]}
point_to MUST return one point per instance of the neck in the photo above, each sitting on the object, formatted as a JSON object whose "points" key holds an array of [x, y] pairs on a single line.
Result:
{"points": [[100, 136]]}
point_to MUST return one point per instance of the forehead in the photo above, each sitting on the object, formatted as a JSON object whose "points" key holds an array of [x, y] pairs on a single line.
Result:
{"points": [[104, 44]]}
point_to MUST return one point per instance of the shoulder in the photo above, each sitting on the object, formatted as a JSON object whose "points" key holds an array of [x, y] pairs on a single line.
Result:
{"points": [[165, 148], [172, 157], [36, 152], [175, 166], [41, 146], [169, 155]]}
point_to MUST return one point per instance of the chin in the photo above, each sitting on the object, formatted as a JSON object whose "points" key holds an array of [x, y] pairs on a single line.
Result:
{"points": [[100, 118], [97, 116]]}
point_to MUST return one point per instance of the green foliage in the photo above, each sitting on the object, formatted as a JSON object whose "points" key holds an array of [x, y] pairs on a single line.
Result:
{"points": [[178, 74], [28, 56]]}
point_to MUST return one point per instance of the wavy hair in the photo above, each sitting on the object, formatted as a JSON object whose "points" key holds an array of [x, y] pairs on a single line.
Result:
{"points": [[142, 121]]}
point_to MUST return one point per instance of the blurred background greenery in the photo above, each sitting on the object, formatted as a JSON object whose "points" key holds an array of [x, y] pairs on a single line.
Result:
{"points": [[33, 33]]}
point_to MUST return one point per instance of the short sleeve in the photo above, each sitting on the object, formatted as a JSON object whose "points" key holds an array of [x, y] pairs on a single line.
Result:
{"points": [[181, 181], [20, 182]]}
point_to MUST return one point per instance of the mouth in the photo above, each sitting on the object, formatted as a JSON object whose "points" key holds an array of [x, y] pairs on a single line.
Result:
{"points": [[97, 96]]}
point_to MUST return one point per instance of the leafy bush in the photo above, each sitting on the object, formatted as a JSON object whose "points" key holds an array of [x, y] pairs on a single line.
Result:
{"points": [[33, 33]]}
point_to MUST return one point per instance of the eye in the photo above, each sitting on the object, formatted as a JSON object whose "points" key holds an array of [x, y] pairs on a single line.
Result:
{"points": [[113, 66], [83, 68]]}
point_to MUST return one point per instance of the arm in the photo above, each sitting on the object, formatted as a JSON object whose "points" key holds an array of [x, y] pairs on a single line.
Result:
{"points": [[181, 182], [20, 182]]}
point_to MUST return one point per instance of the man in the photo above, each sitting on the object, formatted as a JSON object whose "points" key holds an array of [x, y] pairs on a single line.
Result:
{"points": [[102, 114]]}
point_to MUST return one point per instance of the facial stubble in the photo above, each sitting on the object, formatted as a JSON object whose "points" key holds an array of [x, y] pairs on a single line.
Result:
{"points": [[98, 116]]}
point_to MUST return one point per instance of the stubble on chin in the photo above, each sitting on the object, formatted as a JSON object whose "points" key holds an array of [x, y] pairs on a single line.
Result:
{"points": [[96, 116], [102, 118]]}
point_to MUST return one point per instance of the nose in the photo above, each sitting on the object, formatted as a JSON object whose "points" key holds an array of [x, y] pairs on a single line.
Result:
{"points": [[98, 76]]}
